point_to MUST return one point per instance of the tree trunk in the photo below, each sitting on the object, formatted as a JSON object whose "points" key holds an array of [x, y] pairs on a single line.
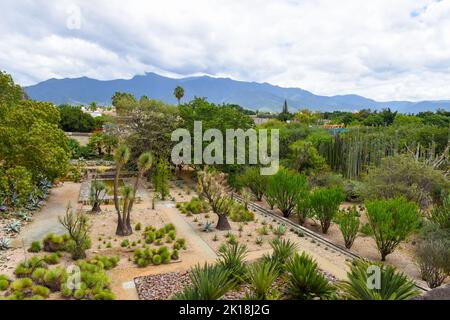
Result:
{"points": [[223, 223], [96, 207]]}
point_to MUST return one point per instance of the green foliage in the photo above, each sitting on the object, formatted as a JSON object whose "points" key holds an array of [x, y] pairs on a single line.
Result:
{"points": [[325, 204], [440, 214], [138, 227], [76, 224], [239, 213], [35, 247], [261, 277], [161, 178], [305, 157], [30, 138], [73, 119], [285, 187], [4, 282], [393, 285], [54, 278], [41, 291], [232, 259], [348, 221], [305, 281], [53, 258], [195, 206], [391, 221], [54, 243], [26, 267], [280, 230], [257, 183], [178, 92], [157, 259], [15, 185], [403, 176], [433, 254], [303, 208], [283, 250], [209, 282]]}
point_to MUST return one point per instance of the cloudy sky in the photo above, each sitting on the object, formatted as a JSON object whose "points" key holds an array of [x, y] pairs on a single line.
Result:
{"points": [[382, 49]]}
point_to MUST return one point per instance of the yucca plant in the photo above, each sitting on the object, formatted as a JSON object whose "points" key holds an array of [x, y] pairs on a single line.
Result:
{"points": [[348, 222], [305, 281], [261, 277], [392, 285], [232, 258], [282, 250], [208, 227], [209, 282]]}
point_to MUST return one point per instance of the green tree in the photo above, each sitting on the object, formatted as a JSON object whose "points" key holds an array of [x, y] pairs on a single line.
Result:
{"points": [[325, 204], [161, 178], [391, 221], [257, 183], [348, 221], [121, 157], [178, 93], [73, 119], [15, 185], [285, 187]]}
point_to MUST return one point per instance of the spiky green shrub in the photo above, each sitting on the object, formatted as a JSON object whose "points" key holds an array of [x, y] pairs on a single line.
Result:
{"points": [[22, 287], [232, 258], [257, 183], [41, 291], [53, 278], [35, 247], [391, 222], [138, 227], [27, 267], [54, 243], [325, 204], [283, 250], [195, 206], [303, 208], [156, 259], [38, 275], [261, 277], [239, 213], [104, 295], [209, 282], [280, 230], [305, 281], [4, 282], [53, 258], [441, 213], [393, 285], [348, 221]]}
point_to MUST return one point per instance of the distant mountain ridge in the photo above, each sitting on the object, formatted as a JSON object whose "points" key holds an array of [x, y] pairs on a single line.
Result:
{"points": [[251, 95]]}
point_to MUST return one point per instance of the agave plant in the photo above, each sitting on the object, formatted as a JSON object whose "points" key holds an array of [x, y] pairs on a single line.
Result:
{"points": [[209, 282], [208, 227], [280, 230], [305, 281], [3, 207], [261, 276], [282, 251], [5, 243], [24, 215], [232, 258], [13, 227], [393, 285]]}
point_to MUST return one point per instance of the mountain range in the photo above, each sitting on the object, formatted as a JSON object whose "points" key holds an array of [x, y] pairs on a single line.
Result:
{"points": [[251, 95]]}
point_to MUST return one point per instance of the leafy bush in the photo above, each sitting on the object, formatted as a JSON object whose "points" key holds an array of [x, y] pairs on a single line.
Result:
{"points": [[157, 259], [125, 243], [348, 221], [209, 282], [393, 285], [433, 254], [26, 267], [240, 214], [325, 203], [391, 221], [404, 176], [441, 213], [53, 258], [257, 183], [138, 227], [305, 281], [76, 225], [4, 282], [41, 291], [54, 278], [303, 208]]}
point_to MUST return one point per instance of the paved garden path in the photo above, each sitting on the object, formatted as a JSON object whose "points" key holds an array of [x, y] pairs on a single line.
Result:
{"points": [[46, 220]]}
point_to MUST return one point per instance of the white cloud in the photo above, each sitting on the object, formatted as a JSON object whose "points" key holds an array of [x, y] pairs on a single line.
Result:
{"points": [[381, 49]]}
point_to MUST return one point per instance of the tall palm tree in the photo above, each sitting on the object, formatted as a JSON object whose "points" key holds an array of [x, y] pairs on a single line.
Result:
{"points": [[178, 93], [121, 157], [144, 163]]}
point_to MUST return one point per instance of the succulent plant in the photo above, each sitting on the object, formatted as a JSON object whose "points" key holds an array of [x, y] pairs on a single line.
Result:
{"points": [[24, 215], [13, 227], [208, 227], [280, 230], [5, 243]]}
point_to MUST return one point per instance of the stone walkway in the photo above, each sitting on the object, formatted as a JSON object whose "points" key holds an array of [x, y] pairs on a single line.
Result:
{"points": [[46, 220]]}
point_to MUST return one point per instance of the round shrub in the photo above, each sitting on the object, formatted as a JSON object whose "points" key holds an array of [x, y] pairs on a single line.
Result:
{"points": [[40, 291], [157, 259], [35, 247]]}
